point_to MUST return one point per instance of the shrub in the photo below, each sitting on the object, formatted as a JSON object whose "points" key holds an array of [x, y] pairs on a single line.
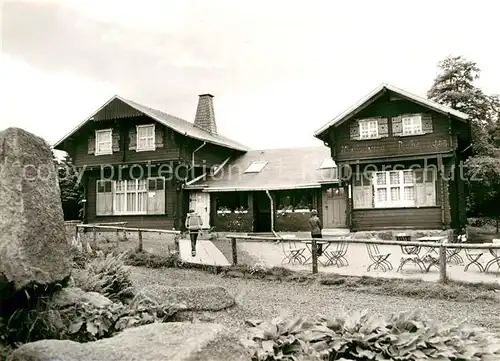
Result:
{"points": [[403, 336], [107, 275], [82, 322], [150, 260]]}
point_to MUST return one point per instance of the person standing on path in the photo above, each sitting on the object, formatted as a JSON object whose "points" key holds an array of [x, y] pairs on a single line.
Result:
{"points": [[316, 227], [193, 225]]}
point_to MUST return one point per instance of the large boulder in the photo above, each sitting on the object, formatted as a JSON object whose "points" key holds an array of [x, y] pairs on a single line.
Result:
{"points": [[205, 298], [33, 246], [177, 341]]}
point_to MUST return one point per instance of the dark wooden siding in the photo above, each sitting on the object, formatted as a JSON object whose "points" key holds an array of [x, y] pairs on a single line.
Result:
{"points": [[209, 155], [79, 146], [439, 141], [166, 221], [396, 218]]}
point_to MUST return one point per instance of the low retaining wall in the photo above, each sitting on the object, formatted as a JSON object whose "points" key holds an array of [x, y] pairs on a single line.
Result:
{"points": [[233, 222]]}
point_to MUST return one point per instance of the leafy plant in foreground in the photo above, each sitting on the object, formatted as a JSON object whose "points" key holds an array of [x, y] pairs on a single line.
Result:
{"points": [[359, 336]]}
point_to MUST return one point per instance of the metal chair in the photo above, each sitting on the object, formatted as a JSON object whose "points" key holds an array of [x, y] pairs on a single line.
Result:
{"points": [[473, 258], [496, 257], [378, 259], [411, 254], [337, 257], [292, 253]]}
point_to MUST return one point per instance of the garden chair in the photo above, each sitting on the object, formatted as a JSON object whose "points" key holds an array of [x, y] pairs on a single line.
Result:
{"points": [[453, 254], [291, 252], [337, 257], [495, 261], [411, 254], [378, 259]]}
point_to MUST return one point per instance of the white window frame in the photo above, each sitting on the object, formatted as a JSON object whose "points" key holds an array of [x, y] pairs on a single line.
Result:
{"points": [[126, 192], [387, 187], [370, 131], [99, 133], [412, 124], [145, 138], [256, 167]]}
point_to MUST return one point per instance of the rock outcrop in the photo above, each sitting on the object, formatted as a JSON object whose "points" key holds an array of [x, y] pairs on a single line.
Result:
{"points": [[177, 341], [33, 246]]}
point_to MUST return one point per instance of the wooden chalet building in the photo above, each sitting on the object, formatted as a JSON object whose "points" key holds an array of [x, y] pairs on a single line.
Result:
{"points": [[136, 161], [399, 158]]}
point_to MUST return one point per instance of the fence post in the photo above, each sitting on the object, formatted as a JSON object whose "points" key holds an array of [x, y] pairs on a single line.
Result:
{"points": [[139, 246], [117, 237], [94, 235], [443, 278], [314, 251], [235, 251], [176, 244], [76, 234]]}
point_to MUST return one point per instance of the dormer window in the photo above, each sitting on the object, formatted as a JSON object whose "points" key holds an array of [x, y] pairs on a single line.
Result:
{"points": [[412, 124], [256, 167], [145, 137], [103, 142], [368, 129]]}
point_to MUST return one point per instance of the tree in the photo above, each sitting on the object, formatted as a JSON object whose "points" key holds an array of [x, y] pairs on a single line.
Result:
{"points": [[454, 86], [71, 189]]}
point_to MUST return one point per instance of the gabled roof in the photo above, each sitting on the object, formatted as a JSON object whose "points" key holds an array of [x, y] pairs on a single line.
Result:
{"points": [[285, 169], [376, 93], [179, 125]]}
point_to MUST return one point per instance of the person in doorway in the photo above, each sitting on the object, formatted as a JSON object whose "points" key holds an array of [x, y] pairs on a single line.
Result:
{"points": [[193, 225], [316, 228]]}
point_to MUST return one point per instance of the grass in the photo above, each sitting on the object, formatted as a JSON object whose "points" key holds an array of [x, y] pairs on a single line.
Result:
{"points": [[453, 290]]}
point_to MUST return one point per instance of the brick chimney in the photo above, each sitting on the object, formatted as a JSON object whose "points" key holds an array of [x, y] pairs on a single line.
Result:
{"points": [[205, 116]]}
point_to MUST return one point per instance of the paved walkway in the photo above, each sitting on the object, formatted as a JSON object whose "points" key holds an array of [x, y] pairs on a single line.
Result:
{"points": [[206, 253], [271, 254]]}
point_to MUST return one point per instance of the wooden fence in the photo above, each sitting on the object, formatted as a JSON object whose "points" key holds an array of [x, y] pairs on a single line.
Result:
{"points": [[442, 246], [119, 227]]}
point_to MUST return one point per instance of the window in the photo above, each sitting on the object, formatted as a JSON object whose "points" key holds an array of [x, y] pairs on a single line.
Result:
{"points": [[131, 196], [145, 137], [368, 129], [138, 196], [256, 167], [103, 142], [299, 200], [228, 202], [412, 124], [394, 189]]}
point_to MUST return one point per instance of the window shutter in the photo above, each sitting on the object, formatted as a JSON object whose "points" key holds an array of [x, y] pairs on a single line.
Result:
{"points": [[159, 137], [383, 128], [355, 130], [91, 143], [397, 126], [104, 198], [426, 123], [132, 138], [116, 141], [156, 196]]}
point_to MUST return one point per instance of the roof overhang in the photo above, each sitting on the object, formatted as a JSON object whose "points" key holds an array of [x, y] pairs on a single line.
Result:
{"points": [[376, 94], [256, 188]]}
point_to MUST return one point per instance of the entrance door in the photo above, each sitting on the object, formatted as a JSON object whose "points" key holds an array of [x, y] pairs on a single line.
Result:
{"points": [[262, 212], [334, 208], [200, 202]]}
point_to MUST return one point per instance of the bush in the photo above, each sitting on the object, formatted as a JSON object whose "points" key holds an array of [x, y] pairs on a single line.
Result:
{"points": [[404, 336], [107, 275], [150, 260], [82, 322]]}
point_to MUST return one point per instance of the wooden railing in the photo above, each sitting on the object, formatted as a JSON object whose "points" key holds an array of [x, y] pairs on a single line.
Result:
{"points": [[442, 246], [116, 226]]}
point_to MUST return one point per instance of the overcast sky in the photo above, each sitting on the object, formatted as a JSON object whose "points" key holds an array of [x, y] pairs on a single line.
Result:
{"points": [[278, 70]]}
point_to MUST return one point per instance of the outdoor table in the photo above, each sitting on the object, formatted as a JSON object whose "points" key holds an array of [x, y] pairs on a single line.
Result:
{"points": [[325, 247], [431, 250]]}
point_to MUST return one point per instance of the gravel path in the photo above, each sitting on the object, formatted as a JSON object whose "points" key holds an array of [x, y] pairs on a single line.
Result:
{"points": [[257, 299]]}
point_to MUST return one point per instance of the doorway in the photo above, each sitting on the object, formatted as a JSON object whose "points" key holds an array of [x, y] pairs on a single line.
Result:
{"points": [[334, 207], [200, 202], [261, 212]]}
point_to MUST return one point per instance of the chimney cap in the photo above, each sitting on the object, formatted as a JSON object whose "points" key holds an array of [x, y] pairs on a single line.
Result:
{"points": [[206, 95]]}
